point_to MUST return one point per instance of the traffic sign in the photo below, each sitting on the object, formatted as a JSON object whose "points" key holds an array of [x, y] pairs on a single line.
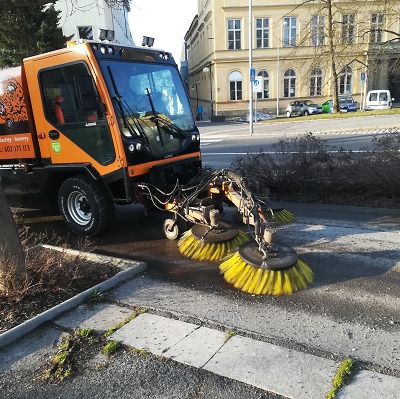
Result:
{"points": [[257, 85], [363, 77], [252, 74]]}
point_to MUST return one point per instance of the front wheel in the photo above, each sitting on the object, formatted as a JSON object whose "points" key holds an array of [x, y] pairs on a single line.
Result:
{"points": [[288, 114], [306, 113], [86, 205]]}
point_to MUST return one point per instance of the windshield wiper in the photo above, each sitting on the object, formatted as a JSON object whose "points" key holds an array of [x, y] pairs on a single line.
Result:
{"points": [[155, 116]]}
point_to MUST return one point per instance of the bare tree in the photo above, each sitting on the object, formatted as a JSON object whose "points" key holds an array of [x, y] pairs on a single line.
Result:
{"points": [[341, 34], [10, 244]]}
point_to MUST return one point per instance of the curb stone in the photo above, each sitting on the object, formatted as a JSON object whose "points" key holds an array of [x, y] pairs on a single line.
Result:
{"points": [[129, 269]]}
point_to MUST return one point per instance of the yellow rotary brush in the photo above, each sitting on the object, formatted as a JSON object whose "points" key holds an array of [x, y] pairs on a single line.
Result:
{"points": [[282, 216], [205, 243], [281, 274]]}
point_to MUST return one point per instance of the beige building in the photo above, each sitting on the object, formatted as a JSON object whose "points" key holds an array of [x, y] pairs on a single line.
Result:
{"points": [[297, 48]]}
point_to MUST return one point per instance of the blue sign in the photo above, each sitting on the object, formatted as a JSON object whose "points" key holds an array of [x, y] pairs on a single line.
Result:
{"points": [[252, 74], [363, 76]]}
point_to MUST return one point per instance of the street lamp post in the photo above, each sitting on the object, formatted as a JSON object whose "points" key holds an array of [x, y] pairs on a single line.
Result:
{"points": [[250, 68], [195, 87], [208, 70], [278, 66]]}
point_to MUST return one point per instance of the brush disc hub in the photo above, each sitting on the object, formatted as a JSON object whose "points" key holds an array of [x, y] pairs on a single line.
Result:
{"points": [[283, 257], [214, 235]]}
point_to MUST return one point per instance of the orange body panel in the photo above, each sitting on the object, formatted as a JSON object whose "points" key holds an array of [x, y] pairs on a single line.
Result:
{"points": [[15, 136]]}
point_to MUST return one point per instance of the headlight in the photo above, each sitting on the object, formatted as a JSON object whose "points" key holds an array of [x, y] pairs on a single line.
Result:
{"points": [[131, 147], [138, 146]]}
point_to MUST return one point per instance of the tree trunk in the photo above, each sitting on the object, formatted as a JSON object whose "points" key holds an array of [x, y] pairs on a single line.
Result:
{"points": [[332, 54], [10, 244]]}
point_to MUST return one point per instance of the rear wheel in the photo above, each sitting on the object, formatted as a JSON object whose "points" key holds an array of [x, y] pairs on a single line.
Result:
{"points": [[86, 205]]}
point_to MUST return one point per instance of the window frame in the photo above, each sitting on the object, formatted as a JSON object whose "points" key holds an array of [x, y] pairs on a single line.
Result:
{"points": [[316, 82], [377, 28], [349, 27], [317, 30], [289, 83], [289, 32], [235, 86], [236, 40], [264, 74], [264, 40]]}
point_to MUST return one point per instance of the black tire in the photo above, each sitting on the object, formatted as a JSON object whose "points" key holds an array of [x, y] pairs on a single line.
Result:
{"points": [[288, 114], [86, 205], [306, 113]]}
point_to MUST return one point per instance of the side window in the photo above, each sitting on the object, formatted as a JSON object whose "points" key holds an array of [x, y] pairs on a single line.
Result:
{"points": [[62, 99], [71, 104]]}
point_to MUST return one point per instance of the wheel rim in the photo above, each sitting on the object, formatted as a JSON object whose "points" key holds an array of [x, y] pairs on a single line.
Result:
{"points": [[79, 208]]}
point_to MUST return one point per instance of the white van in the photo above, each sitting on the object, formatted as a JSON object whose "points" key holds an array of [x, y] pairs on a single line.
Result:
{"points": [[378, 99]]}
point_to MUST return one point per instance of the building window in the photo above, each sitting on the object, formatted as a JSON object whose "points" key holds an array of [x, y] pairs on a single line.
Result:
{"points": [[348, 28], [316, 82], [377, 28], [264, 84], [345, 80], [235, 86], [262, 32], [85, 32], [234, 34], [317, 26], [289, 31], [289, 83]]}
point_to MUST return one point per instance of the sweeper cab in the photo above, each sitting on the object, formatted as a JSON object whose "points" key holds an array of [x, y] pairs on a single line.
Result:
{"points": [[83, 125]]}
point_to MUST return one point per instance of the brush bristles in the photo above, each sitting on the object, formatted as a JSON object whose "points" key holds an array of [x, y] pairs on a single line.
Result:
{"points": [[191, 247], [265, 282], [283, 216]]}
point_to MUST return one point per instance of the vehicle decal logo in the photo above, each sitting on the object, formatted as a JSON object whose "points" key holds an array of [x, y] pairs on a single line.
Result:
{"points": [[56, 146]]}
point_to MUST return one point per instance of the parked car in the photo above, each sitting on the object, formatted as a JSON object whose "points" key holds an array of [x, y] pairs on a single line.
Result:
{"points": [[378, 99], [346, 103], [303, 107]]}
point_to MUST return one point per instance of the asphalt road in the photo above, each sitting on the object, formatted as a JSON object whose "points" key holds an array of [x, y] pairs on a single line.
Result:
{"points": [[352, 308], [222, 143]]}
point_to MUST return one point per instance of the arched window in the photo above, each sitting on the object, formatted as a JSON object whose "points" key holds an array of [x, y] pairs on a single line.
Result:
{"points": [[264, 84], [346, 80], [316, 82], [289, 83], [235, 86]]}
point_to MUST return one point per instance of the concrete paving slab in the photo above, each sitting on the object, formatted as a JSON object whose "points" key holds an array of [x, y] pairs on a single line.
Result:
{"points": [[99, 317], [273, 368], [155, 334], [370, 384], [30, 352], [198, 347]]}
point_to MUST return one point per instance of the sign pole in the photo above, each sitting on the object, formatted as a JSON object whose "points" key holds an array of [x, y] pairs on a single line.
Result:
{"points": [[252, 72]]}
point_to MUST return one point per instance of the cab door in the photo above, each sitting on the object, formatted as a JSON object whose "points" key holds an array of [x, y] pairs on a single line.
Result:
{"points": [[71, 123]]}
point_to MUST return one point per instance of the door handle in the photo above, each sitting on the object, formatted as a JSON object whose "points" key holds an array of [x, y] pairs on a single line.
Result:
{"points": [[54, 134]]}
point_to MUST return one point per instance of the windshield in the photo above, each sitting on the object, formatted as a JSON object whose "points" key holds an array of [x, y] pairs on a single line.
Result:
{"points": [[150, 101]]}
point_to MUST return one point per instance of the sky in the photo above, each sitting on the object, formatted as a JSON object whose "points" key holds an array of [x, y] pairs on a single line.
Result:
{"points": [[165, 20]]}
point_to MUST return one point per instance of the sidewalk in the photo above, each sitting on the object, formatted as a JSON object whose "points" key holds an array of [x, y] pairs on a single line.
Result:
{"points": [[287, 372]]}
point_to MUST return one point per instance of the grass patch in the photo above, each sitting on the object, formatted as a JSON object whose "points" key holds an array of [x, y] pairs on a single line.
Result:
{"points": [[340, 378], [229, 335], [136, 313], [111, 347]]}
